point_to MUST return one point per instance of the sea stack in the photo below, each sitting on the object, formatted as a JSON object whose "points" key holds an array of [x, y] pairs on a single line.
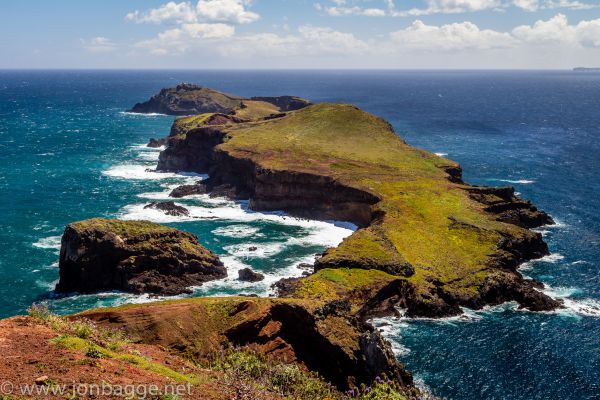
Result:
{"points": [[133, 256]]}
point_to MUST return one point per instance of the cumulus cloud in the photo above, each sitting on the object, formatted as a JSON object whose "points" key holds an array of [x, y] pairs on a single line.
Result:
{"points": [[169, 12], [179, 40], [232, 11], [535, 5], [388, 7], [341, 10], [557, 30], [329, 40], [229, 11], [99, 44], [447, 7], [450, 37]]}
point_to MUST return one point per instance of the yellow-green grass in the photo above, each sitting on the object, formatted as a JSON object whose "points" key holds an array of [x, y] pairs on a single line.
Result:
{"points": [[430, 221], [150, 234], [254, 109], [186, 124]]}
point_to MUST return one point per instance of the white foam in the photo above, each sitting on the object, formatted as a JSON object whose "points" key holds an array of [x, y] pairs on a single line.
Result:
{"points": [[145, 148], [520, 181], [143, 114], [441, 154], [578, 262], [326, 233], [583, 307], [148, 156], [237, 231], [258, 250], [143, 172], [51, 242], [560, 292]]}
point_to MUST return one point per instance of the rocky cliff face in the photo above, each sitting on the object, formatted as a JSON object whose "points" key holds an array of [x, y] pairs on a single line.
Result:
{"points": [[133, 256], [340, 348]]}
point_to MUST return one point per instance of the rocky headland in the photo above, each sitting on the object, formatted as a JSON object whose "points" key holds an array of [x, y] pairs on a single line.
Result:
{"points": [[428, 242]]}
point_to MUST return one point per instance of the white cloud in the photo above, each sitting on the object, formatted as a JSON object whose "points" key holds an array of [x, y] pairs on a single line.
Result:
{"points": [[179, 40], [230, 11], [99, 44], [450, 37], [447, 7], [340, 11], [535, 5], [554, 30], [528, 5], [329, 40], [557, 30], [171, 11]]}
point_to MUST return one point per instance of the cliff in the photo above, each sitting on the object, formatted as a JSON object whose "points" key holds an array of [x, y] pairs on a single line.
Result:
{"points": [[133, 256], [441, 243]]}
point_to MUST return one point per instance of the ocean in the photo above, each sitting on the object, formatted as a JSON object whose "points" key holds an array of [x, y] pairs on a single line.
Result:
{"points": [[69, 151]]}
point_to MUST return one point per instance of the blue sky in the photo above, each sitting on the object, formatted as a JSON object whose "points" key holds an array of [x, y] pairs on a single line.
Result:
{"points": [[300, 34]]}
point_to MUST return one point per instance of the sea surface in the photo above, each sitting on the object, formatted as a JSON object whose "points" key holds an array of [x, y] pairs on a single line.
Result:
{"points": [[69, 151]]}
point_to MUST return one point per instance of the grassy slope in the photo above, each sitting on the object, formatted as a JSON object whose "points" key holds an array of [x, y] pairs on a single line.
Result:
{"points": [[362, 151]]}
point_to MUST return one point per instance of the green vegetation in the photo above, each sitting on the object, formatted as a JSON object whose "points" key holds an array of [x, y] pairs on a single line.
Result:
{"points": [[243, 368], [428, 221], [185, 124], [121, 228], [253, 110], [145, 235]]}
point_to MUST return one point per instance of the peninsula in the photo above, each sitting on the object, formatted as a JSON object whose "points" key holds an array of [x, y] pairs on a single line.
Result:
{"points": [[427, 245]]}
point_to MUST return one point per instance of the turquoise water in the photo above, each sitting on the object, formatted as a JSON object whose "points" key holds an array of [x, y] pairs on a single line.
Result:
{"points": [[68, 152]]}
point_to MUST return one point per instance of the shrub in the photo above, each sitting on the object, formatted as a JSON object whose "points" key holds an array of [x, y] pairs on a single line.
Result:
{"points": [[93, 352]]}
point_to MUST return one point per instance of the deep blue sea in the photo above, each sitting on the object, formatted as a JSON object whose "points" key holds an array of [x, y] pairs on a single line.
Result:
{"points": [[68, 151]]}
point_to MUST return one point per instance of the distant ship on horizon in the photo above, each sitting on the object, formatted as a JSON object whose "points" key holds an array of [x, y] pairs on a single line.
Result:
{"points": [[586, 69]]}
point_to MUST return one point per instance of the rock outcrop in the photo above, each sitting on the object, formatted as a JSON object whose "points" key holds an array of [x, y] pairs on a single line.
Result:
{"points": [[169, 208], [133, 256], [188, 190], [247, 275], [188, 99]]}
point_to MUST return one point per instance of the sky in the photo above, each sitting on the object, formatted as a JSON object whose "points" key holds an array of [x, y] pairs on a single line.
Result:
{"points": [[306, 34]]}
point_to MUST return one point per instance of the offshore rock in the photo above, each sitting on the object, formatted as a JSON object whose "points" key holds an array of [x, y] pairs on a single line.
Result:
{"points": [[133, 256]]}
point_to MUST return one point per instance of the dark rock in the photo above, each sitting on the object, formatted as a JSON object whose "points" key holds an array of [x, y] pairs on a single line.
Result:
{"points": [[379, 359], [133, 256], [285, 103], [169, 208], [252, 248], [155, 143], [188, 190], [188, 99], [334, 307], [505, 286], [285, 287], [247, 275], [508, 207], [306, 266]]}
